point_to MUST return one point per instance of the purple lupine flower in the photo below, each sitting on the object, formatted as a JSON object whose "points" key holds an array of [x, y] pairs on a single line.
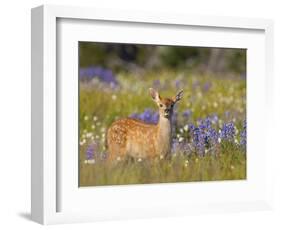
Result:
{"points": [[214, 118], [155, 118], [191, 127], [187, 113], [90, 151], [207, 86], [227, 131], [147, 116], [178, 83], [204, 136], [180, 146], [243, 135], [104, 75], [212, 137], [205, 123], [175, 145], [209, 132], [199, 141], [134, 115], [98, 71], [107, 76]]}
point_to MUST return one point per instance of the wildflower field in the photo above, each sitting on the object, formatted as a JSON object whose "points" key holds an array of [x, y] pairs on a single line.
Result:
{"points": [[209, 125]]}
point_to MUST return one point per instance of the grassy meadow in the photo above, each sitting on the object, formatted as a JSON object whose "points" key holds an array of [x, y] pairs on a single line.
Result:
{"points": [[209, 126]]}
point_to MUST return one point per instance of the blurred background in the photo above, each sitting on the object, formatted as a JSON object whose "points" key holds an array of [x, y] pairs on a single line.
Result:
{"points": [[139, 58]]}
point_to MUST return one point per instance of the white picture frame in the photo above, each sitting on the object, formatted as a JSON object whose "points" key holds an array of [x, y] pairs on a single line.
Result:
{"points": [[47, 176]]}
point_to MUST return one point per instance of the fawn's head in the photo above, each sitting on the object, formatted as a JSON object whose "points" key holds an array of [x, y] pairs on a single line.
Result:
{"points": [[165, 105]]}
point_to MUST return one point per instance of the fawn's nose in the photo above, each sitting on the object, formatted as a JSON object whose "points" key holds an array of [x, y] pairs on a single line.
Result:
{"points": [[167, 110]]}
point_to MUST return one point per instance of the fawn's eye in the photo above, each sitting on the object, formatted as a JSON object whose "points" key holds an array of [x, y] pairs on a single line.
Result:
{"points": [[172, 105], [161, 105]]}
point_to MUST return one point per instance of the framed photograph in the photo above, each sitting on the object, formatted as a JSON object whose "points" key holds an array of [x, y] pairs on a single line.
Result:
{"points": [[141, 114]]}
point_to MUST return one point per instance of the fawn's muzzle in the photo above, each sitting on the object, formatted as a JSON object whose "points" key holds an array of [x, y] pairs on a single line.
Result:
{"points": [[166, 112]]}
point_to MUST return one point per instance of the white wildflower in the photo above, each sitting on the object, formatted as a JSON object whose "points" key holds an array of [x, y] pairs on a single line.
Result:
{"points": [[95, 118], [90, 161], [82, 142], [185, 128], [181, 130], [219, 140], [86, 118], [88, 135], [114, 97], [180, 139], [139, 160], [215, 104]]}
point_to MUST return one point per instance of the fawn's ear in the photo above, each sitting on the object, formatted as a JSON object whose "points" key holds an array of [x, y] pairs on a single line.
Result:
{"points": [[154, 94], [178, 96]]}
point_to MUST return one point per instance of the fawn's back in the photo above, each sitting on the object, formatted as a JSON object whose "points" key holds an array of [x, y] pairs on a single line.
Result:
{"points": [[131, 137]]}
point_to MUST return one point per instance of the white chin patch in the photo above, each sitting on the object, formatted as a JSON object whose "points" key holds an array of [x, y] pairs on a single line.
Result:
{"points": [[166, 114]]}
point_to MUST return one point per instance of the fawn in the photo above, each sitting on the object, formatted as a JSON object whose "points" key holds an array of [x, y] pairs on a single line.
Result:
{"points": [[135, 138]]}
